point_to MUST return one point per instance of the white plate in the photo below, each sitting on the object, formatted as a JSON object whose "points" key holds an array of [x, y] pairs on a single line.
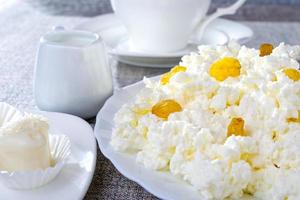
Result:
{"points": [[74, 180], [161, 184], [115, 36]]}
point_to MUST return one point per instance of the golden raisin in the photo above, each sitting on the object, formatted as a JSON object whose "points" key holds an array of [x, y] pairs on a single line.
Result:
{"points": [[178, 68], [274, 136], [224, 68], [295, 120], [265, 49], [236, 127], [292, 74], [167, 76], [165, 107]]}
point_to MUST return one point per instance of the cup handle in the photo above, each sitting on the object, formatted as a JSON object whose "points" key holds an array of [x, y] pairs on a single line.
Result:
{"points": [[220, 12]]}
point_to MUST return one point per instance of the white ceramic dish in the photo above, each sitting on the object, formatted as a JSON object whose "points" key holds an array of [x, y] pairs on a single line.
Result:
{"points": [[74, 180], [114, 34], [161, 184], [78, 85]]}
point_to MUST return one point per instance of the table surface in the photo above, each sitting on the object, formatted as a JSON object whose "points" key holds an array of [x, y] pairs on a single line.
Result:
{"points": [[21, 28]]}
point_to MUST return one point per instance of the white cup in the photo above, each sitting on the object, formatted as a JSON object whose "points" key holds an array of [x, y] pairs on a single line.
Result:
{"points": [[164, 26], [72, 74]]}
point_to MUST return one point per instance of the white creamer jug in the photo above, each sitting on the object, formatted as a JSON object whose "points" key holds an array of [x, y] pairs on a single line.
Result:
{"points": [[72, 74]]}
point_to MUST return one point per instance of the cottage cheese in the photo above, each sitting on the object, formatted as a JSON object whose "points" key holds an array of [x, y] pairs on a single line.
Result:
{"points": [[193, 144]]}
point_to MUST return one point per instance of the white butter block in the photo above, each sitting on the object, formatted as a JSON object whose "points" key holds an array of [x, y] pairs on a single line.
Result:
{"points": [[24, 180], [24, 144]]}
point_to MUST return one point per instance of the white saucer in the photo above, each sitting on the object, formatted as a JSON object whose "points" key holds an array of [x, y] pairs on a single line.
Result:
{"points": [[75, 178], [115, 36]]}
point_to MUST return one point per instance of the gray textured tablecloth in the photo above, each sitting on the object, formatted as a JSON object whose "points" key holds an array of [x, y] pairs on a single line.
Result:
{"points": [[20, 30]]}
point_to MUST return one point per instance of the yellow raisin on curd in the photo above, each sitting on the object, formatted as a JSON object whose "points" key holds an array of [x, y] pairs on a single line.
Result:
{"points": [[165, 107], [167, 76], [236, 127], [265, 49], [224, 68], [294, 120], [293, 74]]}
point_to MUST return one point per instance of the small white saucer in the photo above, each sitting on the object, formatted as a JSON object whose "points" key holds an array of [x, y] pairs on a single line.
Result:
{"points": [[115, 36], [75, 178]]}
